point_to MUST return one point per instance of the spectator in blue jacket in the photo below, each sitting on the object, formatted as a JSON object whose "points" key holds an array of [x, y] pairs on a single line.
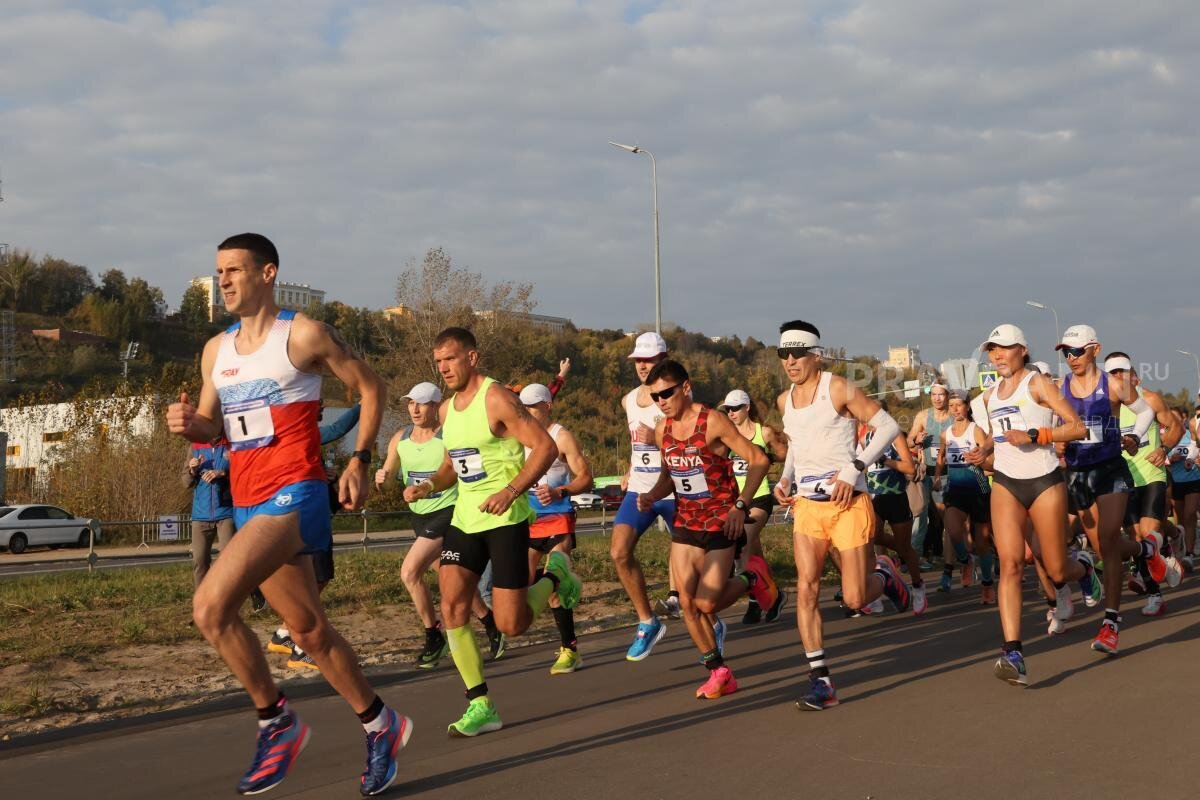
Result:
{"points": [[207, 475]]}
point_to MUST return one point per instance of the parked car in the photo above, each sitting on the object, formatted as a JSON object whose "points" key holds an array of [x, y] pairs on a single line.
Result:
{"points": [[586, 500], [613, 496], [38, 525]]}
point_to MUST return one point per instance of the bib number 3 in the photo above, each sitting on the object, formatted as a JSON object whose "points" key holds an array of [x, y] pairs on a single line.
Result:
{"points": [[248, 424], [468, 464]]}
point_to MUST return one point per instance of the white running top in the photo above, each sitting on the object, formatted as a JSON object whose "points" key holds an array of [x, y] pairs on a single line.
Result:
{"points": [[645, 460], [1020, 412], [822, 442]]}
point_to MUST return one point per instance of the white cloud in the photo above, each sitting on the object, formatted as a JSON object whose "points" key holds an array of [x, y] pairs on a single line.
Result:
{"points": [[953, 153]]}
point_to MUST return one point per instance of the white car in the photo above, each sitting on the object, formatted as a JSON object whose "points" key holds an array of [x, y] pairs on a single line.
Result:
{"points": [[587, 500], [33, 525]]}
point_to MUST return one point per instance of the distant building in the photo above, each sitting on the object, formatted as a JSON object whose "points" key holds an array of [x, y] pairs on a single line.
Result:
{"points": [[553, 324], [296, 296], [34, 432], [906, 357], [68, 336]]}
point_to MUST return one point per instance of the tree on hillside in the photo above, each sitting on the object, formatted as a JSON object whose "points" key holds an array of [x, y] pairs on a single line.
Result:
{"points": [[113, 285], [56, 287], [193, 311], [434, 295], [14, 275], [121, 309]]}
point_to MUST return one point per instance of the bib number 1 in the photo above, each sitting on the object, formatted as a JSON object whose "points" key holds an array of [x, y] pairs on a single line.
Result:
{"points": [[248, 424]]}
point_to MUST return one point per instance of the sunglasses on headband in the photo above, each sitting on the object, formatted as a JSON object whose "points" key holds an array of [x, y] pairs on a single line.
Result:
{"points": [[793, 352], [665, 393]]}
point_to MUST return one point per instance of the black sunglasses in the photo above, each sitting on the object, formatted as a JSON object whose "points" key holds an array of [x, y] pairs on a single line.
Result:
{"points": [[731, 409], [665, 393], [793, 352], [1073, 352]]}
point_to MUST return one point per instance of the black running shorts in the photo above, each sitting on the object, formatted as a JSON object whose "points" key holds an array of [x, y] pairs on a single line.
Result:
{"points": [[705, 540], [892, 508], [1085, 484], [1147, 502], [506, 547]]}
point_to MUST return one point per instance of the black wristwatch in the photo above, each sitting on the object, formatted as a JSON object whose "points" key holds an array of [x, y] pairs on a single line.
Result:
{"points": [[858, 465], [1033, 433], [740, 504], [362, 455]]}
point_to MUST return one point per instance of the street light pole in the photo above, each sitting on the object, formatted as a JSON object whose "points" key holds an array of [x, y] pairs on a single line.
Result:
{"points": [[1057, 330], [1196, 360], [654, 219]]}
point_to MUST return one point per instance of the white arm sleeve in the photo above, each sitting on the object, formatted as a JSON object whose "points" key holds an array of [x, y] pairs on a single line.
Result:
{"points": [[980, 413], [886, 430], [789, 466], [1193, 451], [1145, 417]]}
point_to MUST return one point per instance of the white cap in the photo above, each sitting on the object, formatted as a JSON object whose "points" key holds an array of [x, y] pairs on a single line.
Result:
{"points": [[1116, 362], [1043, 367], [535, 393], [1005, 335], [425, 392], [1078, 336], [648, 345], [735, 398]]}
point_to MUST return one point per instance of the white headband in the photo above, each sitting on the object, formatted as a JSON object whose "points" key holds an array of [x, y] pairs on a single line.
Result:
{"points": [[794, 338], [1117, 362]]}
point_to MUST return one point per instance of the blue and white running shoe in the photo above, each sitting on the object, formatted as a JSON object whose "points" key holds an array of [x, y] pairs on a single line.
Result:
{"points": [[279, 744], [644, 640], [382, 747]]}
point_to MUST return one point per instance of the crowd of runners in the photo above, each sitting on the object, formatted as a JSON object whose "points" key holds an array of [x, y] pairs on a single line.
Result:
{"points": [[1092, 480]]}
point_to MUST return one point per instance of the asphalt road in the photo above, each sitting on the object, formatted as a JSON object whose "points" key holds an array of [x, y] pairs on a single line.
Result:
{"points": [[921, 717]]}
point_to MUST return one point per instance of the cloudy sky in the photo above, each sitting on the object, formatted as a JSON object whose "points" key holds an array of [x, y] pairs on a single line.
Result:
{"points": [[897, 172]]}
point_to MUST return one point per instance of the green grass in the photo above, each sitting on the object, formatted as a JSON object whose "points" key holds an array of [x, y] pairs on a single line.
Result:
{"points": [[80, 615]]}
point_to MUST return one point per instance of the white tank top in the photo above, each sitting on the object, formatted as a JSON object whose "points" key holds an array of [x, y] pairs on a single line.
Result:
{"points": [[957, 447], [822, 441], [1020, 412], [557, 474], [645, 460]]}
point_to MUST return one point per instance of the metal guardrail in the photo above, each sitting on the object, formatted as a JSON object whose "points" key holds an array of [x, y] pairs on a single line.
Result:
{"points": [[151, 529]]}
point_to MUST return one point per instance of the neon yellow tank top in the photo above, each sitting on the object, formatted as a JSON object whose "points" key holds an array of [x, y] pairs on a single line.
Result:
{"points": [[484, 463], [1143, 471], [740, 467], [421, 460]]}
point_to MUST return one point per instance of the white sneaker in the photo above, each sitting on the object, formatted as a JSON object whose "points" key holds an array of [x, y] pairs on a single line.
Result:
{"points": [[874, 607], [1174, 571], [669, 607], [1066, 606], [919, 603], [1055, 625], [1155, 606]]}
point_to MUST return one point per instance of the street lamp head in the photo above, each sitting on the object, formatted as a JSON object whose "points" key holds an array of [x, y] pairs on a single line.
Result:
{"points": [[1035, 304], [1185, 353], [628, 147]]}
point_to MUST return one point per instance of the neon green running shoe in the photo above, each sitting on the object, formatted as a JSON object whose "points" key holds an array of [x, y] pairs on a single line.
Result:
{"points": [[480, 717], [568, 661], [569, 585]]}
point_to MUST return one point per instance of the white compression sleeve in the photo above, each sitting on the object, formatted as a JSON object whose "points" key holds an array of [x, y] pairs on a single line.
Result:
{"points": [[1145, 417], [886, 430]]}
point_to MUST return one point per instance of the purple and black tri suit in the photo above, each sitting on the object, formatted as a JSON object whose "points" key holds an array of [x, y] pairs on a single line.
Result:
{"points": [[1096, 466]]}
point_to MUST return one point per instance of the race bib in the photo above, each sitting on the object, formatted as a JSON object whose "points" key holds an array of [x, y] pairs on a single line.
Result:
{"points": [[815, 487], [1095, 432], [931, 454], [646, 458], [741, 467], [691, 484], [1008, 418], [468, 464], [416, 477], [1145, 442], [248, 424], [956, 456]]}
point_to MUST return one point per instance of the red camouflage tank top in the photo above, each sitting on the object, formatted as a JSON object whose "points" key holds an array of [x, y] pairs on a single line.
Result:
{"points": [[704, 485]]}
